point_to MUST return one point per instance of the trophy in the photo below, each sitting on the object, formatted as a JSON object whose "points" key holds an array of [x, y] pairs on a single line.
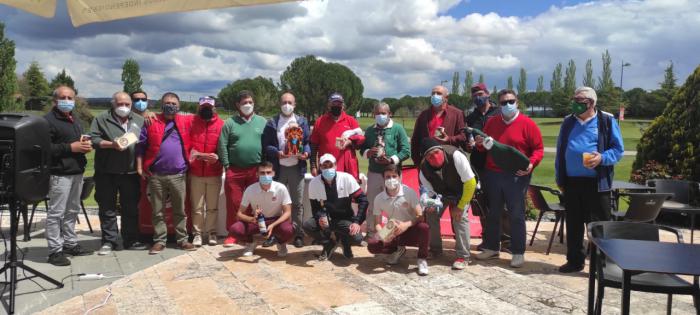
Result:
{"points": [[126, 140], [380, 145], [294, 136], [387, 230]]}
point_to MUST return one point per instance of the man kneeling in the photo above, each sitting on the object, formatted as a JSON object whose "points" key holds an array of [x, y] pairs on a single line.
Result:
{"points": [[265, 205], [405, 226]]}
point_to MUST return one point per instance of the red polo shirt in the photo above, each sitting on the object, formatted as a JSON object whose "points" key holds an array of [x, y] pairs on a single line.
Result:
{"points": [[435, 121], [326, 130]]}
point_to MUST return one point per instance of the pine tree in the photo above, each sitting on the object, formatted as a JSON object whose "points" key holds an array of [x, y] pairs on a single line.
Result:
{"points": [[8, 78], [669, 82], [556, 84], [36, 88], [131, 76], [510, 83], [608, 95], [522, 82], [455, 83], [588, 79], [62, 78], [540, 84], [606, 83]]}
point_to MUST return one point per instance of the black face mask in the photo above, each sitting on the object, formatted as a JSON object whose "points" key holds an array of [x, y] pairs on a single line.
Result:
{"points": [[336, 110], [206, 113], [169, 109]]}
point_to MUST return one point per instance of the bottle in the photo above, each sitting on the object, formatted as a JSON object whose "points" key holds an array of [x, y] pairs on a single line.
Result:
{"points": [[262, 226]]}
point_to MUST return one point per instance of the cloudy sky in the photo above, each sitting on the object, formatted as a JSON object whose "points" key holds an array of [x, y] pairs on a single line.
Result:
{"points": [[395, 47]]}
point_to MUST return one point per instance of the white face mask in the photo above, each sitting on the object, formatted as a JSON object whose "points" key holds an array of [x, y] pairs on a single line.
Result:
{"points": [[122, 111], [247, 109], [287, 109], [392, 183]]}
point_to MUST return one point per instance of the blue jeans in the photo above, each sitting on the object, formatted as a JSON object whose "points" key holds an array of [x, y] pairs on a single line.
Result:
{"points": [[509, 190]]}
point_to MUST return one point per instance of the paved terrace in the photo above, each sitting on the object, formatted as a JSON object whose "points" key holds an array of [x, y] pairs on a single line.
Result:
{"points": [[216, 280]]}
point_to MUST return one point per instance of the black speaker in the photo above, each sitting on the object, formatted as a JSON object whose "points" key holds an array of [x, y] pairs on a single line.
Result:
{"points": [[25, 154]]}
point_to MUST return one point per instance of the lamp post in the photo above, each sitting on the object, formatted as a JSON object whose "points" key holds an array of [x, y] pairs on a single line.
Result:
{"points": [[443, 82], [622, 72]]}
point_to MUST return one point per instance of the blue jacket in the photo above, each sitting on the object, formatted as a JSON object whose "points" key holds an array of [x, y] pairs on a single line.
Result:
{"points": [[270, 143], [609, 144]]}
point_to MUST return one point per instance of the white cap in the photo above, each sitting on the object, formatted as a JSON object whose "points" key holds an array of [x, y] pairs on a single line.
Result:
{"points": [[327, 157]]}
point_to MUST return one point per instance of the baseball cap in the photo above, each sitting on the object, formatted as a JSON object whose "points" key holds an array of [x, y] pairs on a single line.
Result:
{"points": [[479, 87], [327, 157], [335, 97], [206, 100]]}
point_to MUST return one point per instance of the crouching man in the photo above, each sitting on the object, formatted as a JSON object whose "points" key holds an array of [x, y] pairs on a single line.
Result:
{"points": [[405, 226], [331, 195], [265, 206]]}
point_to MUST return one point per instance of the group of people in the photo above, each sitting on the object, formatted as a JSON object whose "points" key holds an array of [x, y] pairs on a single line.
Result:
{"points": [[177, 158]]}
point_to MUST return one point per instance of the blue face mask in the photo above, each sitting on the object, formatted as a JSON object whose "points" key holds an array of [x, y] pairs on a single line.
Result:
{"points": [[381, 120], [328, 173], [481, 101], [509, 110], [436, 100], [140, 105], [65, 106], [265, 179]]}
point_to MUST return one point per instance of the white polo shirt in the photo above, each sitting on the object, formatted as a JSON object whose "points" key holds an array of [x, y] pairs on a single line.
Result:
{"points": [[270, 201], [400, 207]]}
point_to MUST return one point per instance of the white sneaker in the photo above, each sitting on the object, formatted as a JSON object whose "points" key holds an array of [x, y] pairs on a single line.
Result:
{"points": [[394, 257], [212, 239], [422, 267], [197, 240], [281, 250], [249, 249], [517, 261], [106, 249], [487, 254]]}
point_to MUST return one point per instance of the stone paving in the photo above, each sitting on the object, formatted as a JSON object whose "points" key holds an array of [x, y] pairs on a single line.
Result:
{"points": [[217, 280]]}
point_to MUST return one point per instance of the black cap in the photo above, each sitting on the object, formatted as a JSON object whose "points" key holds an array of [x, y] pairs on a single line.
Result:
{"points": [[428, 144]]}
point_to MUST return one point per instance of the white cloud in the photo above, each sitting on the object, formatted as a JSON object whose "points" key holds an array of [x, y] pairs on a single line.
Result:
{"points": [[396, 47]]}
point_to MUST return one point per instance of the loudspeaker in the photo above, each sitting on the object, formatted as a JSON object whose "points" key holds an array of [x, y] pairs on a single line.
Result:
{"points": [[25, 154]]}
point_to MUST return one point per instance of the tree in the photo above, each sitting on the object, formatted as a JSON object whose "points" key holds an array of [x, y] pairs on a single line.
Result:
{"points": [[481, 78], [540, 84], [559, 100], [570, 78], [608, 96], [455, 83], [35, 88], [8, 78], [62, 78], [556, 83], [669, 82], [672, 137], [131, 76], [312, 80], [509, 84], [605, 82], [264, 91], [588, 79], [522, 82], [468, 82]]}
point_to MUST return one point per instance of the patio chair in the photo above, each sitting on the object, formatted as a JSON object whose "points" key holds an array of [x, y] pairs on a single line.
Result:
{"points": [[610, 275], [535, 193], [680, 202], [643, 207]]}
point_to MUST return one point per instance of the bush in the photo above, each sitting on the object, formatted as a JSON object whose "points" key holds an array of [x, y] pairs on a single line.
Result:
{"points": [[652, 170], [82, 110]]}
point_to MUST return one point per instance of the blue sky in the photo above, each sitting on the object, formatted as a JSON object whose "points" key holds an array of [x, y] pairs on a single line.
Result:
{"points": [[521, 8]]}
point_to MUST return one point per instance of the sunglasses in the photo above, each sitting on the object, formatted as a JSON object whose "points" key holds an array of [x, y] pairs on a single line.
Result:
{"points": [[140, 99], [507, 102]]}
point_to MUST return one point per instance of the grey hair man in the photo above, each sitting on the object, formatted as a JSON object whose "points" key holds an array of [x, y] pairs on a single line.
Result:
{"points": [[115, 172]]}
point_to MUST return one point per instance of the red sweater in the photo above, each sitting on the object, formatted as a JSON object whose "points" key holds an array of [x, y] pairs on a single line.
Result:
{"points": [[522, 134]]}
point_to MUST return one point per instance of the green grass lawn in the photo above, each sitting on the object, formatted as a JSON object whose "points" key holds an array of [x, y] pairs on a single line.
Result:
{"points": [[544, 173]]}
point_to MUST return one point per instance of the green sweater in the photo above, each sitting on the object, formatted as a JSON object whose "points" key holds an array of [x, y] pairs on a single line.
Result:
{"points": [[107, 127], [240, 142], [396, 144]]}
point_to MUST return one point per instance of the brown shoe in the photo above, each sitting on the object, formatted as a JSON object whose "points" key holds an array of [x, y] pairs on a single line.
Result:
{"points": [[156, 249], [187, 246]]}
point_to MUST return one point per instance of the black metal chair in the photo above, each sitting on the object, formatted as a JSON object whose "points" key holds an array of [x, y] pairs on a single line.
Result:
{"points": [[680, 202], [643, 207], [610, 275], [88, 186], [535, 193]]}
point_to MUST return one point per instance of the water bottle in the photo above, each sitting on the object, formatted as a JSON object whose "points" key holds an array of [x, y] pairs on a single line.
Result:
{"points": [[261, 224]]}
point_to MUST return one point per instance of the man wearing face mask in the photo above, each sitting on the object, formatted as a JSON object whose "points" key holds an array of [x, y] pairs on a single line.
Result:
{"points": [[588, 147], [240, 151], [115, 174], [67, 167], [289, 170], [139, 101], [441, 121], [446, 171], [271, 200], [205, 171], [162, 160], [339, 134], [331, 195], [386, 143], [402, 208], [504, 188]]}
